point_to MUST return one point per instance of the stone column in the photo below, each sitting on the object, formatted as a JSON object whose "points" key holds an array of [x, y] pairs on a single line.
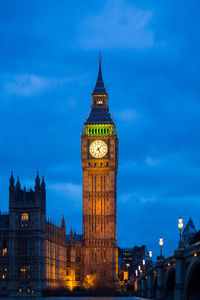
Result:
{"points": [[144, 286], [150, 284], [179, 280], [139, 286], [160, 278]]}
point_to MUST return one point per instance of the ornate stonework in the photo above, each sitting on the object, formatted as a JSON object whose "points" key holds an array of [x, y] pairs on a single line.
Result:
{"points": [[99, 164]]}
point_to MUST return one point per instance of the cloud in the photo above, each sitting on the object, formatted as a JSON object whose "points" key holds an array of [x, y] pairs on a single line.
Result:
{"points": [[118, 25], [32, 84], [127, 115], [67, 189], [136, 197], [27, 85], [152, 162]]}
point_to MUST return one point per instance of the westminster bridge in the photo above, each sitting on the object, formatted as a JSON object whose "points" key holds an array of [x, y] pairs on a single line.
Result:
{"points": [[174, 278]]}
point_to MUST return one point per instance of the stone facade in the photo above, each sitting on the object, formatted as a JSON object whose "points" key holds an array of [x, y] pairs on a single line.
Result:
{"points": [[32, 250]]}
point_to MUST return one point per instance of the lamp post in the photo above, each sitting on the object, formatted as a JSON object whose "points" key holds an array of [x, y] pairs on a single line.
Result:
{"points": [[150, 259], [180, 226], [161, 245], [150, 277]]}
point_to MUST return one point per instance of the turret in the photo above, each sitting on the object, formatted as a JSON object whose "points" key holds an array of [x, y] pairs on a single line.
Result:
{"points": [[37, 182], [12, 181], [71, 236], [43, 183], [18, 185], [63, 222]]}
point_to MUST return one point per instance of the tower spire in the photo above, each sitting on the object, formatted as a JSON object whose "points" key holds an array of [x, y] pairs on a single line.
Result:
{"points": [[99, 61], [99, 114], [99, 89]]}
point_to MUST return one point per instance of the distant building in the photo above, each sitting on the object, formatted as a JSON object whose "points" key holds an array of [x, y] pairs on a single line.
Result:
{"points": [[130, 259], [189, 233]]}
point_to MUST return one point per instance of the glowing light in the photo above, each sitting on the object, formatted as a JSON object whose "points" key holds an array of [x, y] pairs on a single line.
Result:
{"points": [[125, 275], [143, 262], [98, 149], [195, 254], [180, 223], [150, 254], [24, 217], [90, 281], [135, 286], [5, 251], [99, 129], [161, 242]]}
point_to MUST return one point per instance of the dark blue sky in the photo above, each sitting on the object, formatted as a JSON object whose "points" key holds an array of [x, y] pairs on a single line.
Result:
{"points": [[151, 64]]}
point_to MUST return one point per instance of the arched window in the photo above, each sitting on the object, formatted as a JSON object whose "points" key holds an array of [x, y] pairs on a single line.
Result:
{"points": [[24, 217]]}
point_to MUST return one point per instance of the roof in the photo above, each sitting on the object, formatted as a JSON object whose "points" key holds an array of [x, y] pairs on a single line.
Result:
{"points": [[99, 116], [99, 113], [99, 88]]}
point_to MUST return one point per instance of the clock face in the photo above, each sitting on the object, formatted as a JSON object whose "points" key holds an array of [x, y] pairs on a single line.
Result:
{"points": [[98, 149]]}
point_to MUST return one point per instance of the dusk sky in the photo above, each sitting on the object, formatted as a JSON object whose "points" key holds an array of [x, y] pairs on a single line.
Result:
{"points": [[150, 64]]}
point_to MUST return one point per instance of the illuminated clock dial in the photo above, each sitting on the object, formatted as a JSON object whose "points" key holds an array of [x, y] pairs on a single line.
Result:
{"points": [[98, 149]]}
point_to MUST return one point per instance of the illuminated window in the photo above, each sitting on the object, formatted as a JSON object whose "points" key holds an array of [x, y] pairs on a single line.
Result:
{"points": [[4, 272], [125, 275], [5, 251], [24, 217], [25, 272]]}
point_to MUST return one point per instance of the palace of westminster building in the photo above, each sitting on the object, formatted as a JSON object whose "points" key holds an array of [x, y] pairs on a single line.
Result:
{"points": [[35, 254]]}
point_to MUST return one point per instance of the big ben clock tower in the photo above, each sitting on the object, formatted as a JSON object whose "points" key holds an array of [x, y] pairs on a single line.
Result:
{"points": [[99, 157]]}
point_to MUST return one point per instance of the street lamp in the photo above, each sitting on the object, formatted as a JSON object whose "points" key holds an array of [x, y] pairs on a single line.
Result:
{"points": [[140, 269], [180, 226], [161, 244], [150, 254], [143, 262]]}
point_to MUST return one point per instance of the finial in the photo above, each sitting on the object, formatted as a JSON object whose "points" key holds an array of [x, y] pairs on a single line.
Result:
{"points": [[71, 235], [37, 179], [99, 60], [12, 179], [18, 185]]}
